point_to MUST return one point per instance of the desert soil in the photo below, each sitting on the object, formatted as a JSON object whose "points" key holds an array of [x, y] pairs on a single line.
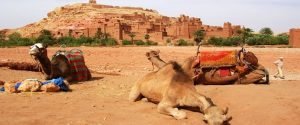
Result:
{"points": [[103, 100]]}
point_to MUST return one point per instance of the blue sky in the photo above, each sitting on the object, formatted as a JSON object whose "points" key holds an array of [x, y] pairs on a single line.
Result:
{"points": [[279, 15]]}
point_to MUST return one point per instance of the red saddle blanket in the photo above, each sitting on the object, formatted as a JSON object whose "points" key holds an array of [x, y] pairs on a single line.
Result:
{"points": [[79, 70], [218, 58]]}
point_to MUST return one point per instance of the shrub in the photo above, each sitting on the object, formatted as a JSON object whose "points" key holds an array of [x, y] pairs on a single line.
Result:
{"points": [[151, 43], [215, 41], [46, 37], [139, 42], [182, 42], [126, 42], [108, 42]]}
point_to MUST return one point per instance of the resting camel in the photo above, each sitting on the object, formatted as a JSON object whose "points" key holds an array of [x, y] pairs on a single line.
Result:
{"points": [[243, 73], [171, 87], [60, 64]]}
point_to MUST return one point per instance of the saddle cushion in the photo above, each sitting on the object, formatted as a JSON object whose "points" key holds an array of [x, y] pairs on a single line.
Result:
{"points": [[79, 69], [210, 59]]}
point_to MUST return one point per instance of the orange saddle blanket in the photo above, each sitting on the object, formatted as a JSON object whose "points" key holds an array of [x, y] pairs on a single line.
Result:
{"points": [[210, 59]]}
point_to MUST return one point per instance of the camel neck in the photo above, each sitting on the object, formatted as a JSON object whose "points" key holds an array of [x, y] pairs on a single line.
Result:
{"points": [[157, 62], [45, 63]]}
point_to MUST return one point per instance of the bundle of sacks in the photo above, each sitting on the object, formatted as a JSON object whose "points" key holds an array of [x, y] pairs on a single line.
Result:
{"points": [[34, 85]]}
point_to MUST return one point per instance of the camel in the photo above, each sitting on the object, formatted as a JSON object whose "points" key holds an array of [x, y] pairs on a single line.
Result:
{"points": [[243, 73], [171, 87], [60, 65]]}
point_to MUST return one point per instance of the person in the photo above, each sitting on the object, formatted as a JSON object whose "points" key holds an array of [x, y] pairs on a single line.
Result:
{"points": [[279, 64]]}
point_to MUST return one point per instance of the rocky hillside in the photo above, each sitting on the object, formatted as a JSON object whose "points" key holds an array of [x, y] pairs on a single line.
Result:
{"points": [[67, 16]]}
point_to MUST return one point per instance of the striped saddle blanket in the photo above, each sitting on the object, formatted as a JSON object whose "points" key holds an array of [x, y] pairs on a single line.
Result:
{"points": [[210, 59], [79, 70]]}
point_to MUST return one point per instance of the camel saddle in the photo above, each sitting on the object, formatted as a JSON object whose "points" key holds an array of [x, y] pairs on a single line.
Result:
{"points": [[76, 60], [217, 59]]}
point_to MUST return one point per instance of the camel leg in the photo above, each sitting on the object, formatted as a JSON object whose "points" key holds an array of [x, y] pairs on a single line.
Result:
{"points": [[167, 107], [135, 94], [251, 78]]}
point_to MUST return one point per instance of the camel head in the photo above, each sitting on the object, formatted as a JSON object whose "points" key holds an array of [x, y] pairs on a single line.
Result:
{"points": [[38, 50], [216, 116], [152, 53]]}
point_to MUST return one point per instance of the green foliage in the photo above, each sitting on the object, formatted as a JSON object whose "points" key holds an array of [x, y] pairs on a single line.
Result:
{"points": [[147, 37], [263, 39], [182, 42], [126, 42], [245, 34], [151, 43], [15, 39], [2, 37], [46, 37], [132, 35], [282, 39], [168, 40], [139, 42], [266, 31], [108, 42], [199, 36], [231, 41]]}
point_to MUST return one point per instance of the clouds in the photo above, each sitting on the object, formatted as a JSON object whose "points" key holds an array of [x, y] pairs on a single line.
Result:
{"points": [[280, 15]]}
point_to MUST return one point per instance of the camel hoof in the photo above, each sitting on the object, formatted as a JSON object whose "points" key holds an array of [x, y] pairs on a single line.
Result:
{"points": [[179, 114]]}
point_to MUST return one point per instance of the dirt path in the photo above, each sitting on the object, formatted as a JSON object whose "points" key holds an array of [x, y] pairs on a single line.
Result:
{"points": [[103, 100]]}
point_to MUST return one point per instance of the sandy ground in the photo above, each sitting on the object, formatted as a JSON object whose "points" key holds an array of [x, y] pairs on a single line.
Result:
{"points": [[103, 100]]}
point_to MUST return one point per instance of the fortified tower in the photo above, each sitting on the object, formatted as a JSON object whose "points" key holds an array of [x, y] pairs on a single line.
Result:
{"points": [[294, 39], [92, 1]]}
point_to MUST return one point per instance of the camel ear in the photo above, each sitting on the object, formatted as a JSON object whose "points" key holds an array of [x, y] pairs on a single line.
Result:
{"points": [[226, 110], [147, 54], [227, 118]]}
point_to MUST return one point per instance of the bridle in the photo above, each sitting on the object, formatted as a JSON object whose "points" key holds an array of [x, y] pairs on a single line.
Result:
{"points": [[39, 66]]}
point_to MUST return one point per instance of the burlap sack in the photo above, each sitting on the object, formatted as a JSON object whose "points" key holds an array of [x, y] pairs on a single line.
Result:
{"points": [[30, 85], [50, 87], [10, 87]]}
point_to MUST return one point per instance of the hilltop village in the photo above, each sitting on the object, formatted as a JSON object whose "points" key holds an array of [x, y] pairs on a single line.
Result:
{"points": [[89, 18]]}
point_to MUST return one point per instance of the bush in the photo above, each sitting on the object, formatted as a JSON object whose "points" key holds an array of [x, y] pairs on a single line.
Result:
{"points": [[215, 41], [231, 41], [126, 42], [108, 42], [140, 42], [151, 43], [46, 37], [263, 39], [182, 42]]}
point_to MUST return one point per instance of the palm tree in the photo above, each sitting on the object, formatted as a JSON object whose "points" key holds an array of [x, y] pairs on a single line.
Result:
{"points": [[199, 36], [132, 35], [266, 31]]}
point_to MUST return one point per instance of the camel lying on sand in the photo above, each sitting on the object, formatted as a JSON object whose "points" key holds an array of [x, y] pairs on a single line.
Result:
{"points": [[171, 87], [255, 73], [62, 63]]}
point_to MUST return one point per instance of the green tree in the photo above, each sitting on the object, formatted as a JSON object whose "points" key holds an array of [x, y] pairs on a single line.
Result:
{"points": [[199, 36], [99, 34], [45, 37], [14, 38], [266, 31], [147, 37], [246, 33], [2, 36], [132, 35]]}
